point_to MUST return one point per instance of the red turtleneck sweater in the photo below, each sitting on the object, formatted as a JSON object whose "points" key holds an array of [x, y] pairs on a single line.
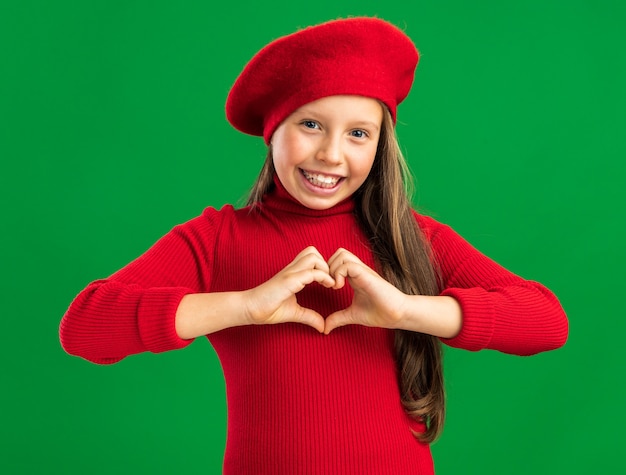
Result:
{"points": [[299, 401]]}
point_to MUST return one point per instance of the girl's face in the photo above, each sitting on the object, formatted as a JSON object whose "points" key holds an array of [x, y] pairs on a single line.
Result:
{"points": [[324, 150]]}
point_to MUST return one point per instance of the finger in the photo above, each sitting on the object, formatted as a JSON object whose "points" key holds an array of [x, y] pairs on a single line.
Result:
{"points": [[347, 270], [338, 319], [298, 280], [335, 261], [340, 279], [307, 254], [308, 251], [309, 317], [338, 252], [340, 273], [310, 260], [342, 255]]}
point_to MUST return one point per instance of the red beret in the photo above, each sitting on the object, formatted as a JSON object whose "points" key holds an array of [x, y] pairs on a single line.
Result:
{"points": [[362, 56]]}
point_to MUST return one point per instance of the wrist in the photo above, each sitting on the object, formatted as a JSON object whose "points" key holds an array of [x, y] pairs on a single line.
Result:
{"points": [[435, 315], [404, 317], [205, 313], [249, 314]]}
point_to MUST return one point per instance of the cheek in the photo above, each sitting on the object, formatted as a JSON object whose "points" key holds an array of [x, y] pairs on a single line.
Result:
{"points": [[364, 165], [280, 156], [286, 153], [283, 164]]}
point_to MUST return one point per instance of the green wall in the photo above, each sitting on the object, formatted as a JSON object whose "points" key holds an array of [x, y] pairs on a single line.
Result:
{"points": [[112, 131]]}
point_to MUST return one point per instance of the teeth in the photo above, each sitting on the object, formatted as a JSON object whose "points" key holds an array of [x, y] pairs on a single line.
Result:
{"points": [[320, 180]]}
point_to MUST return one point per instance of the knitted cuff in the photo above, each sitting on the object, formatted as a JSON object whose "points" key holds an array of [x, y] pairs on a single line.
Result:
{"points": [[157, 319], [478, 319]]}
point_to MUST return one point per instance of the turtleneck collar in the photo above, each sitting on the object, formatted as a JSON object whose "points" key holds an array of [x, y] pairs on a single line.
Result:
{"points": [[279, 199]]}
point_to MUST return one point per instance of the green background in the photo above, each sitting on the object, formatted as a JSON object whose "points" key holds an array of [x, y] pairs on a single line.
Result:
{"points": [[112, 130]]}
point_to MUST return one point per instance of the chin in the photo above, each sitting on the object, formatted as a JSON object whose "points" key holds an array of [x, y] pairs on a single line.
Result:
{"points": [[318, 205]]}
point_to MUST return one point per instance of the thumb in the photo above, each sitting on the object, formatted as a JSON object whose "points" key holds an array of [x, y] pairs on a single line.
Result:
{"points": [[309, 317], [338, 319]]}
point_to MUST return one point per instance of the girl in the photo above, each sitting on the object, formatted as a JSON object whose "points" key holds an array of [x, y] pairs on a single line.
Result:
{"points": [[327, 297]]}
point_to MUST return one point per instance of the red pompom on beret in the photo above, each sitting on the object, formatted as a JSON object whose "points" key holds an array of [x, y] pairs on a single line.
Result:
{"points": [[360, 56]]}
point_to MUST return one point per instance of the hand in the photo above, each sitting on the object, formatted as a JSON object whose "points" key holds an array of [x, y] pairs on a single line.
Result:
{"points": [[275, 301], [376, 302]]}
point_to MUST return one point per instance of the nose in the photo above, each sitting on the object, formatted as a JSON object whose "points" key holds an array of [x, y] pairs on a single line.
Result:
{"points": [[330, 151]]}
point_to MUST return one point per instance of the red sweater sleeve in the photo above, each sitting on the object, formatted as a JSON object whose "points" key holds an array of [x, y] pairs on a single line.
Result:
{"points": [[501, 311], [134, 309]]}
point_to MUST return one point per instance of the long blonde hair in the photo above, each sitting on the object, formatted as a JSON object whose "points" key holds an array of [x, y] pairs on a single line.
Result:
{"points": [[383, 210]]}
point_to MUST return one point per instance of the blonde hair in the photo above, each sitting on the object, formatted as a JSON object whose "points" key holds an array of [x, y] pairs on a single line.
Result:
{"points": [[384, 212]]}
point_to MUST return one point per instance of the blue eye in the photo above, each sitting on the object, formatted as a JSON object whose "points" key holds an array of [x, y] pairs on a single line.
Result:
{"points": [[310, 124], [359, 134]]}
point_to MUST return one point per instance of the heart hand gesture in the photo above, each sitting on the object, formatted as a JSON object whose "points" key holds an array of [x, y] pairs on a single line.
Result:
{"points": [[275, 301], [376, 302]]}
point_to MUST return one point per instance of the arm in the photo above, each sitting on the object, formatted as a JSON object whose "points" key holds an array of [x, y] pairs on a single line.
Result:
{"points": [[134, 309], [378, 303], [500, 310], [481, 305], [269, 303], [162, 300]]}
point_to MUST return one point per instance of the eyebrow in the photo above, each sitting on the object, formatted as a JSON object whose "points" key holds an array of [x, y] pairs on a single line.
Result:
{"points": [[366, 123], [357, 123]]}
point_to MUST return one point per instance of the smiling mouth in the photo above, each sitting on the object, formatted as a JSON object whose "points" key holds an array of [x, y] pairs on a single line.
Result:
{"points": [[322, 181]]}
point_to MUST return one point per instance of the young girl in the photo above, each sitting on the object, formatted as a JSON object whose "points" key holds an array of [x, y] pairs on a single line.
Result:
{"points": [[327, 297]]}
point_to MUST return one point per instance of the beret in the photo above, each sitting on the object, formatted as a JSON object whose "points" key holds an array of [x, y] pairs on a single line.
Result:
{"points": [[363, 56]]}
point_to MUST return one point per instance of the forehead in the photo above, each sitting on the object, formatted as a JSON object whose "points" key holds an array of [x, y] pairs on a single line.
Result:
{"points": [[346, 107]]}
